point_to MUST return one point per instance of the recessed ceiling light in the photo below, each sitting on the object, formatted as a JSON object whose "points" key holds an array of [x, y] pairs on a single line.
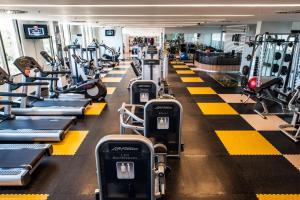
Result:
{"points": [[225, 15], [153, 5]]}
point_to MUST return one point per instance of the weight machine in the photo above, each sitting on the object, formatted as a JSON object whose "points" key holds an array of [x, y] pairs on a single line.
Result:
{"points": [[273, 71]]}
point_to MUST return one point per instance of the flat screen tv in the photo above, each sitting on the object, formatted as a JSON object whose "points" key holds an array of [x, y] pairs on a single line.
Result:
{"points": [[110, 32], [36, 31]]}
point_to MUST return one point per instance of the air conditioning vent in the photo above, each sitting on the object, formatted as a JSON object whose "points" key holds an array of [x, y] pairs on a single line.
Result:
{"points": [[12, 12], [291, 12]]}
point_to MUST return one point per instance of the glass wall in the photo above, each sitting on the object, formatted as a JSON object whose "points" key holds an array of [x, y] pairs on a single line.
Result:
{"points": [[47, 46], [216, 40], [1, 58], [9, 36]]}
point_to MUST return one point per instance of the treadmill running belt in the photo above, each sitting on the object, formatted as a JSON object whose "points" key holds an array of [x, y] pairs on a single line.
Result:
{"points": [[40, 124], [20, 157], [51, 103]]}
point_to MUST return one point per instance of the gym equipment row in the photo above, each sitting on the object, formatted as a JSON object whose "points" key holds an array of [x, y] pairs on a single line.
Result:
{"points": [[153, 67], [19, 161], [82, 85], [133, 165], [28, 118]]}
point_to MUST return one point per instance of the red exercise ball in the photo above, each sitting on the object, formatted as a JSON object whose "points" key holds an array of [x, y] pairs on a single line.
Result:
{"points": [[252, 83]]}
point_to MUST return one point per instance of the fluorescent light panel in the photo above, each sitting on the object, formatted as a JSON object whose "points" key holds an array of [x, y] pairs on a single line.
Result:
{"points": [[225, 15], [154, 5], [137, 20]]}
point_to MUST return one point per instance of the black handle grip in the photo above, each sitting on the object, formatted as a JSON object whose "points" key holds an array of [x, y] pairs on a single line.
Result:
{"points": [[45, 79], [57, 72], [5, 102], [10, 94], [31, 84]]}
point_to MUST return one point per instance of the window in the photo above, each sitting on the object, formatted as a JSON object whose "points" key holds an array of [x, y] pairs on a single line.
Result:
{"points": [[216, 37], [10, 43], [47, 46], [1, 62]]}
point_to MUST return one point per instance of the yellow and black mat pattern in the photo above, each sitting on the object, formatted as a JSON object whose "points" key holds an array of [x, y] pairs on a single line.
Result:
{"points": [[263, 159], [230, 153]]}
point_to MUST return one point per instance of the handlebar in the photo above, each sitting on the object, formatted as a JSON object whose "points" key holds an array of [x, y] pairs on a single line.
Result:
{"points": [[10, 94], [126, 115]]}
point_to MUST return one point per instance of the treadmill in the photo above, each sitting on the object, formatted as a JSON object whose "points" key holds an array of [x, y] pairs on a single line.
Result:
{"points": [[44, 107], [20, 128], [19, 161]]}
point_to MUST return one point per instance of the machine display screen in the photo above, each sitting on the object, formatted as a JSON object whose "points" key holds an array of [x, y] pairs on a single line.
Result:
{"points": [[110, 32], [35, 31]]}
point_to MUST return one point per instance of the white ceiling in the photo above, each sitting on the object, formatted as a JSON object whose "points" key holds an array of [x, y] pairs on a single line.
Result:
{"points": [[156, 12]]}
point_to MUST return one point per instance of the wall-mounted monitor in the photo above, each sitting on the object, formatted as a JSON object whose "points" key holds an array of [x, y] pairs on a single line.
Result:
{"points": [[36, 31], [110, 32], [236, 38]]}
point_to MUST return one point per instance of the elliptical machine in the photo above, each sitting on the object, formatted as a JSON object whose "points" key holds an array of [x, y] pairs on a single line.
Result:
{"points": [[112, 56], [91, 88]]}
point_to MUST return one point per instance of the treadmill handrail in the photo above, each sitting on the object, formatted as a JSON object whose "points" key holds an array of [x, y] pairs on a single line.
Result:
{"points": [[6, 102], [29, 83], [56, 72], [10, 94], [45, 79]]}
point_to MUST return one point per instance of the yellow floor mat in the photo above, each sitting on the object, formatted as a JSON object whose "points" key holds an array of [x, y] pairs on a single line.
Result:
{"points": [[278, 196], [235, 98], [70, 144], [176, 62], [216, 109], [111, 90], [95, 109], [191, 79], [271, 123], [185, 72], [180, 67], [246, 143], [117, 72], [201, 90], [111, 79], [24, 196]]}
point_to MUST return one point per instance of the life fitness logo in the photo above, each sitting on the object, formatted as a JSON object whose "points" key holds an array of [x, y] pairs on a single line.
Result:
{"points": [[125, 149]]}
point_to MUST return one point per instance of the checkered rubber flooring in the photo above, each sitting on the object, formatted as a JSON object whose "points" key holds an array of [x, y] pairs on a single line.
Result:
{"points": [[230, 152], [266, 159]]}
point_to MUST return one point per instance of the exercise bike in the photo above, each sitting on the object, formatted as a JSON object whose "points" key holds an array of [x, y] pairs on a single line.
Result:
{"points": [[91, 88]]}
